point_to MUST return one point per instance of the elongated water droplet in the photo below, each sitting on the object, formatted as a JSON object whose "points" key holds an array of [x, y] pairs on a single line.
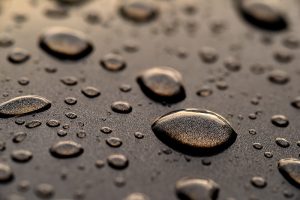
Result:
{"points": [[21, 155], [162, 84], [24, 105], [66, 149], [194, 131], [65, 43], [197, 189], [117, 161]]}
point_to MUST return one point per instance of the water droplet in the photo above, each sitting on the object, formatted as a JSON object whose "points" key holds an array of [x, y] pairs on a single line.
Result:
{"points": [[125, 88], [65, 43], [90, 92], [23, 81], [33, 124], [291, 42], [283, 56], [296, 102], [139, 135], [70, 100], [99, 163], [208, 54], [139, 11], [280, 120], [279, 77], [24, 105], [2, 145], [93, 18], [19, 137], [282, 142], [44, 190], [69, 80], [257, 146], [121, 107], [113, 62], [62, 133], [6, 173], [195, 131], [6, 40], [258, 182], [268, 154], [117, 161], [197, 189], [232, 64], [53, 123], [263, 14], [137, 196], [114, 142], [56, 12], [21, 155], [66, 149], [162, 84], [252, 131], [290, 169], [18, 56], [81, 134], [204, 92], [106, 130], [71, 115]]}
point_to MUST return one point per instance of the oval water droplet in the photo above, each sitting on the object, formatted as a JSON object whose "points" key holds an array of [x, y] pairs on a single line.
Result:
{"points": [[197, 189], [280, 121], [21, 155], [121, 107], [117, 161], [90, 92], [65, 43], [113, 62], [18, 55], [6, 173], [162, 84], [193, 131], [24, 105], [66, 149]]}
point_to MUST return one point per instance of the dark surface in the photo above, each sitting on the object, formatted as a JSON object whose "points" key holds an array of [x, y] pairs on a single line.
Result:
{"points": [[149, 171]]}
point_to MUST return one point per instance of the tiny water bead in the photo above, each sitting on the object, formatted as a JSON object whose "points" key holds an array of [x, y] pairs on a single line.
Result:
{"points": [[194, 131], [268, 154], [66, 149], [23, 81], [6, 173], [280, 121], [117, 161], [71, 115], [18, 56], [265, 15], [258, 182], [122, 107], [21, 155], [65, 43], [113, 62], [282, 142], [6, 40], [70, 100], [198, 189], [290, 169], [24, 105], [90, 92], [139, 11], [278, 76], [162, 84]]}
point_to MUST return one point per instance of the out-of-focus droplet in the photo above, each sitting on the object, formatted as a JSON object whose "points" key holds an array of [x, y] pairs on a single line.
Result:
{"points": [[69, 80], [21, 155], [90, 92], [66, 149], [204, 92], [258, 182], [117, 161], [194, 131], [208, 54], [6, 173], [197, 189], [44, 190], [24, 105], [162, 84], [113, 62], [65, 43], [280, 120], [290, 169], [139, 11], [18, 56], [232, 64]]}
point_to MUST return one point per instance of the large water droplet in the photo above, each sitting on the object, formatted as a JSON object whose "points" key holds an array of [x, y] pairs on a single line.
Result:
{"points": [[65, 43], [263, 14], [194, 131], [163, 84], [24, 105], [197, 189], [66, 149], [290, 169]]}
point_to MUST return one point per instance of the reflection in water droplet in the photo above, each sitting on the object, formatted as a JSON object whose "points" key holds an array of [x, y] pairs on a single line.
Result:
{"points": [[114, 142], [90, 92], [290, 169], [18, 55], [33, 124], [208, 54], [197, 189], [117, 161], [280, 120], [24, 105], [279, 77], [65, 43], [19, 137], [66, 149], [282, 142], [121, 107], [139, 11], [263, 14], [162, 84], [70, 100], [113, 62], [6, 173], [194, 131]]}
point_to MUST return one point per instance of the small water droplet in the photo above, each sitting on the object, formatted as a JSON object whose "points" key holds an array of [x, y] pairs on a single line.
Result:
{"points": [[280, 121], [19, 137], [137, 196], [279, 77], [258, 182], [69, 80], [90, 92], [208, 54], [21, 155], [113, 62], [18, 56], [66, 149], [106, 130], [53, 123], [121, 107], [70, 100], [6, 173], [139, 135], [33, 124], [117, 161], [204, 92], [114, 142], [44, 190], [282, 142]]}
